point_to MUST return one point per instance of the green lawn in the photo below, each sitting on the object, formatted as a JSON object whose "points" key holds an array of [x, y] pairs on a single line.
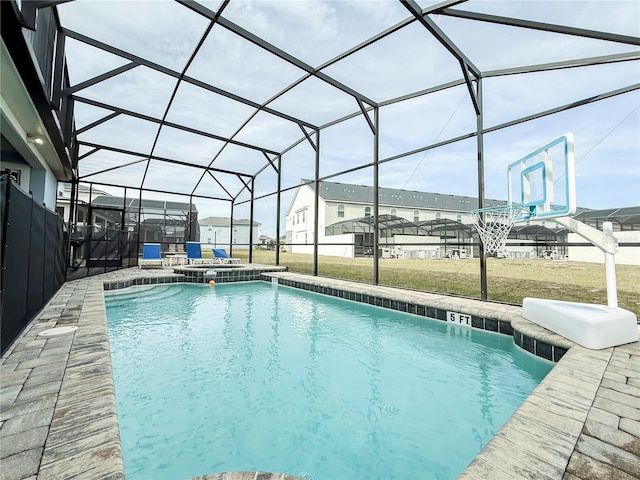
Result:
{"points": [[508, 280]]}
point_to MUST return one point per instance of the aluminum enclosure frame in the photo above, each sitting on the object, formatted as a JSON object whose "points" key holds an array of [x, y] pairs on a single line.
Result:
{"points": [[471, 76]]}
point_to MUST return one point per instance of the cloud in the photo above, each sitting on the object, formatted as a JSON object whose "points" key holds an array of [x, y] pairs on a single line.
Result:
{"points": [[159, 30], [141, 90], [315, 31], [203, 110], [408, 61], [267, 129], [608, 147]]}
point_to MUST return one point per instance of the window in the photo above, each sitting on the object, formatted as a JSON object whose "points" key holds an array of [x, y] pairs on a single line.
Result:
{"points": [[341, 211], [438, 215], [15, 174], [393, 211], [304, 216], [297, 218], [367, 211], [416, 216]]}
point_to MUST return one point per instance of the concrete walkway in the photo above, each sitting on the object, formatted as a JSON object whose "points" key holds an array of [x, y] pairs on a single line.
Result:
{"points": [[58, 416]]}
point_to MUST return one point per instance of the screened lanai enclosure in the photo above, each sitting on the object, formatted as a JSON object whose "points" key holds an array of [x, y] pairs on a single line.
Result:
{"points": [[225, 107]]}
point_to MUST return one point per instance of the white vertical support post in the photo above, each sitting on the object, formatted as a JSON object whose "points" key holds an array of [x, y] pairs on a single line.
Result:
{"points": [[610, 267], [605, 241]]}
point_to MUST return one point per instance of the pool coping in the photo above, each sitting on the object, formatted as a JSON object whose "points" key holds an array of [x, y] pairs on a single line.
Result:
{"points": [[544, 438]]}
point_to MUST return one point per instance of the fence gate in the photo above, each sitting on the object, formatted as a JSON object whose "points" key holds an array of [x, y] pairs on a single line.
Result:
{"points": [[105, 246]]}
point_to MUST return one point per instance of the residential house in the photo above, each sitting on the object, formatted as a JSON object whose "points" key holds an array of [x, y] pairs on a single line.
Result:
{"points": [[217, 232]]}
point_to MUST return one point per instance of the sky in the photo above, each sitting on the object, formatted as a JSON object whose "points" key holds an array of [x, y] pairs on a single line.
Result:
{"points": [[607, 133]]}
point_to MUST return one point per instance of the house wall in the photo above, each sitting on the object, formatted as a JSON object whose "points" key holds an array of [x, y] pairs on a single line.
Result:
{"points": [[82, 210], [337, 250], [624, 256], [44, 186], [41, 183], [300, 220], [219, 236]]}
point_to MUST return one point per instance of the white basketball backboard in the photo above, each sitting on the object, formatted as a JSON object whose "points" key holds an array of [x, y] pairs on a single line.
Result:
{"points": [[544, 180]]}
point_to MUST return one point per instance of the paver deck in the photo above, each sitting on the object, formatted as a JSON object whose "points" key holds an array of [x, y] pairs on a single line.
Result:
{"points": [[58, 413]]}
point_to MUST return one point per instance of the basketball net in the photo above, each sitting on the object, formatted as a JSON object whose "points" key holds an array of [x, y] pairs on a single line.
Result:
{"points": [[494, 224]]}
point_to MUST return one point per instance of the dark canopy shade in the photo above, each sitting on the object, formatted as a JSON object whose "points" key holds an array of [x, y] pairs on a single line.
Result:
{"points": [[387, 225]]}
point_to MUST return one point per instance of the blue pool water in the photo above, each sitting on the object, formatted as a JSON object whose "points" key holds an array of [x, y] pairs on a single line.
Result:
{"points": [[250, 376]]}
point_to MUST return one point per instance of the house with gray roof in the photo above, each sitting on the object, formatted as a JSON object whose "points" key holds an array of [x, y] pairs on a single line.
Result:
{"points": [[220, 232], [345, 226], [413, 224]]}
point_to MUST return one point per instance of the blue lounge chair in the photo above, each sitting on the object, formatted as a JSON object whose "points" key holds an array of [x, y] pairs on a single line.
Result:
{"points": [[221, 254], [151, 255], [194, 255]]}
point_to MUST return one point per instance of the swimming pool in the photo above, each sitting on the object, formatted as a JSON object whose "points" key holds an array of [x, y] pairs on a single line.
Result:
{"points": [[250, 376]]}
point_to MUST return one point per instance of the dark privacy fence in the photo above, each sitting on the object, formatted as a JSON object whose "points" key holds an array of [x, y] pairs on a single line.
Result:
{"points": [[34, 252]]}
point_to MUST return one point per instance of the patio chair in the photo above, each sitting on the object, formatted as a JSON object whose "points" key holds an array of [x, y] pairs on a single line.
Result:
{"points": [[151, 255], [221, 254], [194, 255]]}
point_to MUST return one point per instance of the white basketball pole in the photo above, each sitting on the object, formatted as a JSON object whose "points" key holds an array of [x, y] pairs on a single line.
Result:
{"points": [[606, 242], [610, 267]]}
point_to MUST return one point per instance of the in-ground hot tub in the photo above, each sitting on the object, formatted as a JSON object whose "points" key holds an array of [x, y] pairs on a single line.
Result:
{"points": [[231, 272]]}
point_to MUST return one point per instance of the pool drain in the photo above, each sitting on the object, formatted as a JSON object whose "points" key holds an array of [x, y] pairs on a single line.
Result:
{"points": [[54, 332]]}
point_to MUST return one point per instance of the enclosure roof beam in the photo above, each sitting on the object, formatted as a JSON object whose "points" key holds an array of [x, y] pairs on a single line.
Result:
{"points": [[466, 136], [96, 123], [579, 103], [336, 59], [91, 152], [161, 159], [260, 42], [388, 31], [220, 184], [247, 186], [547, 27], [49, 3], [309, 139], [172, 73], [366, 116], [267, 195], [110, 169], [366, 43], [568, 106], [581, 62], [97, 79], [446, 42], [409, 96], [270, 162], [442, 5], [195, 51], [169, 124], [145, 189], [420, 93]]}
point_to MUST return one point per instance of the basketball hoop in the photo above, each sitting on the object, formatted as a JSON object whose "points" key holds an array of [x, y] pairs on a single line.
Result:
{"points": [[494, 224]]}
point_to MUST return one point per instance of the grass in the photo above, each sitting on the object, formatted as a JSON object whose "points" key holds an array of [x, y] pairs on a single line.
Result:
{"points": [[507, 280]]}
